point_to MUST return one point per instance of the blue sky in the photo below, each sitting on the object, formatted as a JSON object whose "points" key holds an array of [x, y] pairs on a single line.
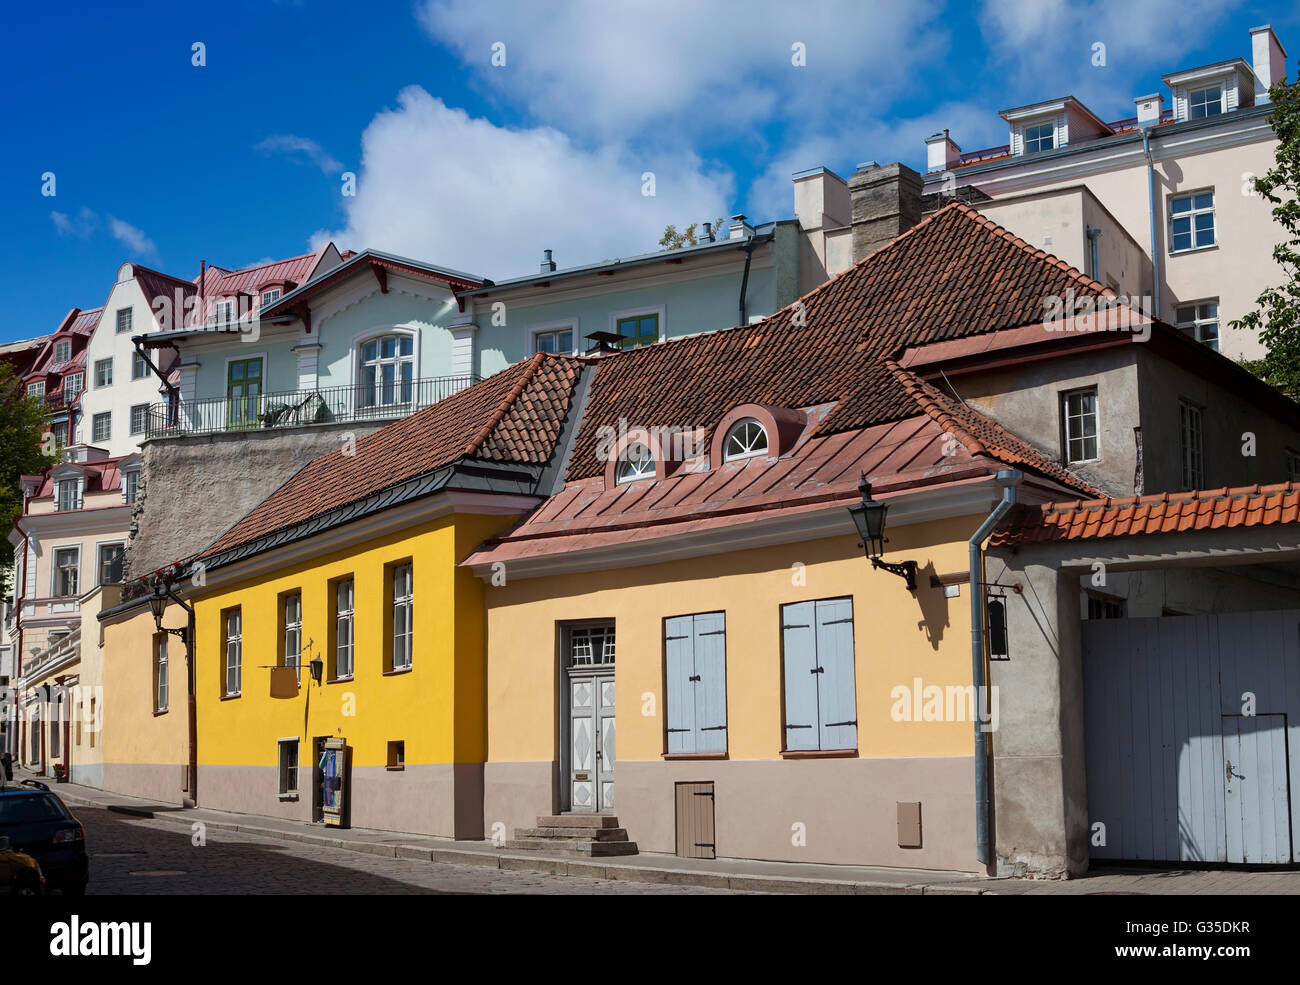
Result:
{"points": [[481, 166]]}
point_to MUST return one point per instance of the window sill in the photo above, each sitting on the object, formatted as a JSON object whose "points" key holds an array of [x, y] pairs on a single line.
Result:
{"points": [[288, 797], [818, 753], [1193, 249], [338, 680], [395, 769], [693, 755], [231, 697], [399, 670]]}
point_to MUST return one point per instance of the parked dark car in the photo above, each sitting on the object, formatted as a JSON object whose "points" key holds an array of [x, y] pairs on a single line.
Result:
{"points": [[37, 823], [20, 874]]}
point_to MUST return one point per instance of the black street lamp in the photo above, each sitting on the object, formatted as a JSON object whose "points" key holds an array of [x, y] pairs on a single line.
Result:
{"points": [[869, 518], [162, 594]]}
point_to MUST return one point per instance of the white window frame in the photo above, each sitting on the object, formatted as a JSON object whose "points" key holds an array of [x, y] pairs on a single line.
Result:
{"points": [[144, 422], [750, 449], [162, 682], [225, 312], [1049, 125], [99, 559], [633, 470], [287, 792], [63, 346], [377, 335], [36, 389], [1066, 418], [59, 486], [403, 641], [1191, 443], [129, 320], [233, 665], [55, 568], [106, 416], [270, 296], [1222, 100], [345, 617], [130, 476], [291, 632], [549, 328], [80, 387], [1191, 215], [139, 367], [1196, 325], [101, 364]]}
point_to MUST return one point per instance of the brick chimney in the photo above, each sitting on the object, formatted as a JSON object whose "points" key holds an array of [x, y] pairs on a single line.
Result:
{"points": [[886, 202]]}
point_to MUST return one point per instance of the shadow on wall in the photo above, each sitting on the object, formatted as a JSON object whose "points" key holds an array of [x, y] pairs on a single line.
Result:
{"points": [[934, 606]]}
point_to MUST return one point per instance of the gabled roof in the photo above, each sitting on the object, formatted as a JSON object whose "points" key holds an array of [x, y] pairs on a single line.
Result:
{"points": [[513, 417], [219, 281], [956, 273], [1203, 509]]}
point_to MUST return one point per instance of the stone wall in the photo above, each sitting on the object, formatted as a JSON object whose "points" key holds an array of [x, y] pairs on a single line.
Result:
{"points": [[195, 488]]}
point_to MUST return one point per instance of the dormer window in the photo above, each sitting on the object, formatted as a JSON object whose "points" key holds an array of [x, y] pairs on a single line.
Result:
{"points": [[36, 389], [225, 312], [748, 439], [62, 351], [130, 485], [1205, 102], [1040, 137], [72, 386], [637, 463], [270, 297], [67, 495]]}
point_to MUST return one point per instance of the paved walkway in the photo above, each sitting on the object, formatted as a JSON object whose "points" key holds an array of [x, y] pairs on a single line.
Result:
{"points": [[734, 874]]}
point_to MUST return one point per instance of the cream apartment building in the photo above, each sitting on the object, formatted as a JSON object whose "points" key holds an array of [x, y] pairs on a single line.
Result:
{"points": [[1175, 178]]}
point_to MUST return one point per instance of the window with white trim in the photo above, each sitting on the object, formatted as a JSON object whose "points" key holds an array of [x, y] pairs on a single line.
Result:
{"points": [[225, 312], [1079, 422], [559, 340], [73, 385], [591, 645], [288, 766], [111, 559], [747, 439], [36, 389], [161, 672], [124, 318], [139, 367], [387, 371], [234, 634], [1205, 102], [637, 463], [62, 350], [67, 567], [343, 641], [103, 372], [1191, 222], [139, 418], [1040, 137], [67, 495], [1193, 453], [403, 616], [59, 430], [101, 426], [291, 633], [270, 296], [1200, 321], [131, 485]]}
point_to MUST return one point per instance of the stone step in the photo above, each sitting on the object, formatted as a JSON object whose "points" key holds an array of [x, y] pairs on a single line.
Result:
{"points": [[577, 821], [584, 834], [601, 849]]}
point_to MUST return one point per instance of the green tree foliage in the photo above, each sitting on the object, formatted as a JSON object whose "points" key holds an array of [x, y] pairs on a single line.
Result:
{"points": [[674, 240], [1277, 318], [22, 452]]}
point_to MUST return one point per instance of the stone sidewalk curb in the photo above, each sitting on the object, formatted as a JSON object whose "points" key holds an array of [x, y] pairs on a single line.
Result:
{"points": [[589, 869]]}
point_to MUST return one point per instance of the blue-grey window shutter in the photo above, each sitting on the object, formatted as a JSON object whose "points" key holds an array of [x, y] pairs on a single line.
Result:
{"points": [[837, 700], [679, 653], [711, 682], [800, 656]]}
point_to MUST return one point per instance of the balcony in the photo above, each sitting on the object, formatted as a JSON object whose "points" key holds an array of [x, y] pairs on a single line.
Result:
{"points": [[357, 403], [64, 651]]}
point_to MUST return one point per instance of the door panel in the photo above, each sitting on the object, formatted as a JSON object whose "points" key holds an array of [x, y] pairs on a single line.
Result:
{"points": [[607, 752], [695, 830], [1256, 794], [582, 747]]}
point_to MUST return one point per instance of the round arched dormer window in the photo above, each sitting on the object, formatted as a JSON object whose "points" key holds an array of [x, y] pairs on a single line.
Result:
{"points": [[637, 463], [748, 439]]}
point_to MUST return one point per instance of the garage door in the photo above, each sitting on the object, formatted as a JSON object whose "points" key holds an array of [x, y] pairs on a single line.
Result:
{"points": [[1189, 734]]}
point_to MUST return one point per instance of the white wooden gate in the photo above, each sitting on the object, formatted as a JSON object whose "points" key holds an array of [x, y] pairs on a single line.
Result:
{"points": [[1170, 705]]}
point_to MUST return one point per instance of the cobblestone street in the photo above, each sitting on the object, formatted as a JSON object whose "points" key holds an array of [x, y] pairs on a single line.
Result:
{"points": [[150, 857]]}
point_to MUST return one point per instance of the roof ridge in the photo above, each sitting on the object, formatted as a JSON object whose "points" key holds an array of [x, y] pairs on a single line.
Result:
{"points": [[150, 270], [918, 390]]}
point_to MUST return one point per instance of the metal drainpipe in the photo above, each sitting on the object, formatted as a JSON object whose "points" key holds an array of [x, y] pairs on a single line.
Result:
{"points": [[1008, 479], [744, 280], [1151, 211], [1093, 236]]}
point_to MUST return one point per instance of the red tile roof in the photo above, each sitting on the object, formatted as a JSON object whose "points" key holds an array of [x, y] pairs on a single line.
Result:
{"points": [[250, 279], [514, 416], [954, 274], [1204, 509]]}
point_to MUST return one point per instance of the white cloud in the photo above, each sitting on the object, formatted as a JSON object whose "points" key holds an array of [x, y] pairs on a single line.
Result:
{"points": [[438, 185], [301, 149], [615, 68], [81, 226], [132, 238]]}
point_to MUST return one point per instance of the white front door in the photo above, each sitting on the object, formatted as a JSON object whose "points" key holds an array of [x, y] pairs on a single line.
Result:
{"points": [[591, 742]]}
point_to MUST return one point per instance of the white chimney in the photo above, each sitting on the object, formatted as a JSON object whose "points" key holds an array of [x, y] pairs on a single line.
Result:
{"points": [[548, 264], [821, 199], [1149, 109], [941, 154], [1268, 59], [739, 228]]}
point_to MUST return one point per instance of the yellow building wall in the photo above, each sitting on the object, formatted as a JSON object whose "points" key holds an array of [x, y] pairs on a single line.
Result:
{"points": [[898, 637], [436, 708]]}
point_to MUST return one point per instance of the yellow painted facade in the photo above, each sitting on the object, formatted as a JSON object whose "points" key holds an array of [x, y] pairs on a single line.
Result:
{"points": [[898, 637], [435, 708]]}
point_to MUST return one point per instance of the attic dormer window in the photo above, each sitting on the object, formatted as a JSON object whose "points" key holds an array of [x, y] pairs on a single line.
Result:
{"points": [[62, 351], [1205, 102], [637, 463], [67, 495], [748, 439], [1039, 137], [270, 297]]}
